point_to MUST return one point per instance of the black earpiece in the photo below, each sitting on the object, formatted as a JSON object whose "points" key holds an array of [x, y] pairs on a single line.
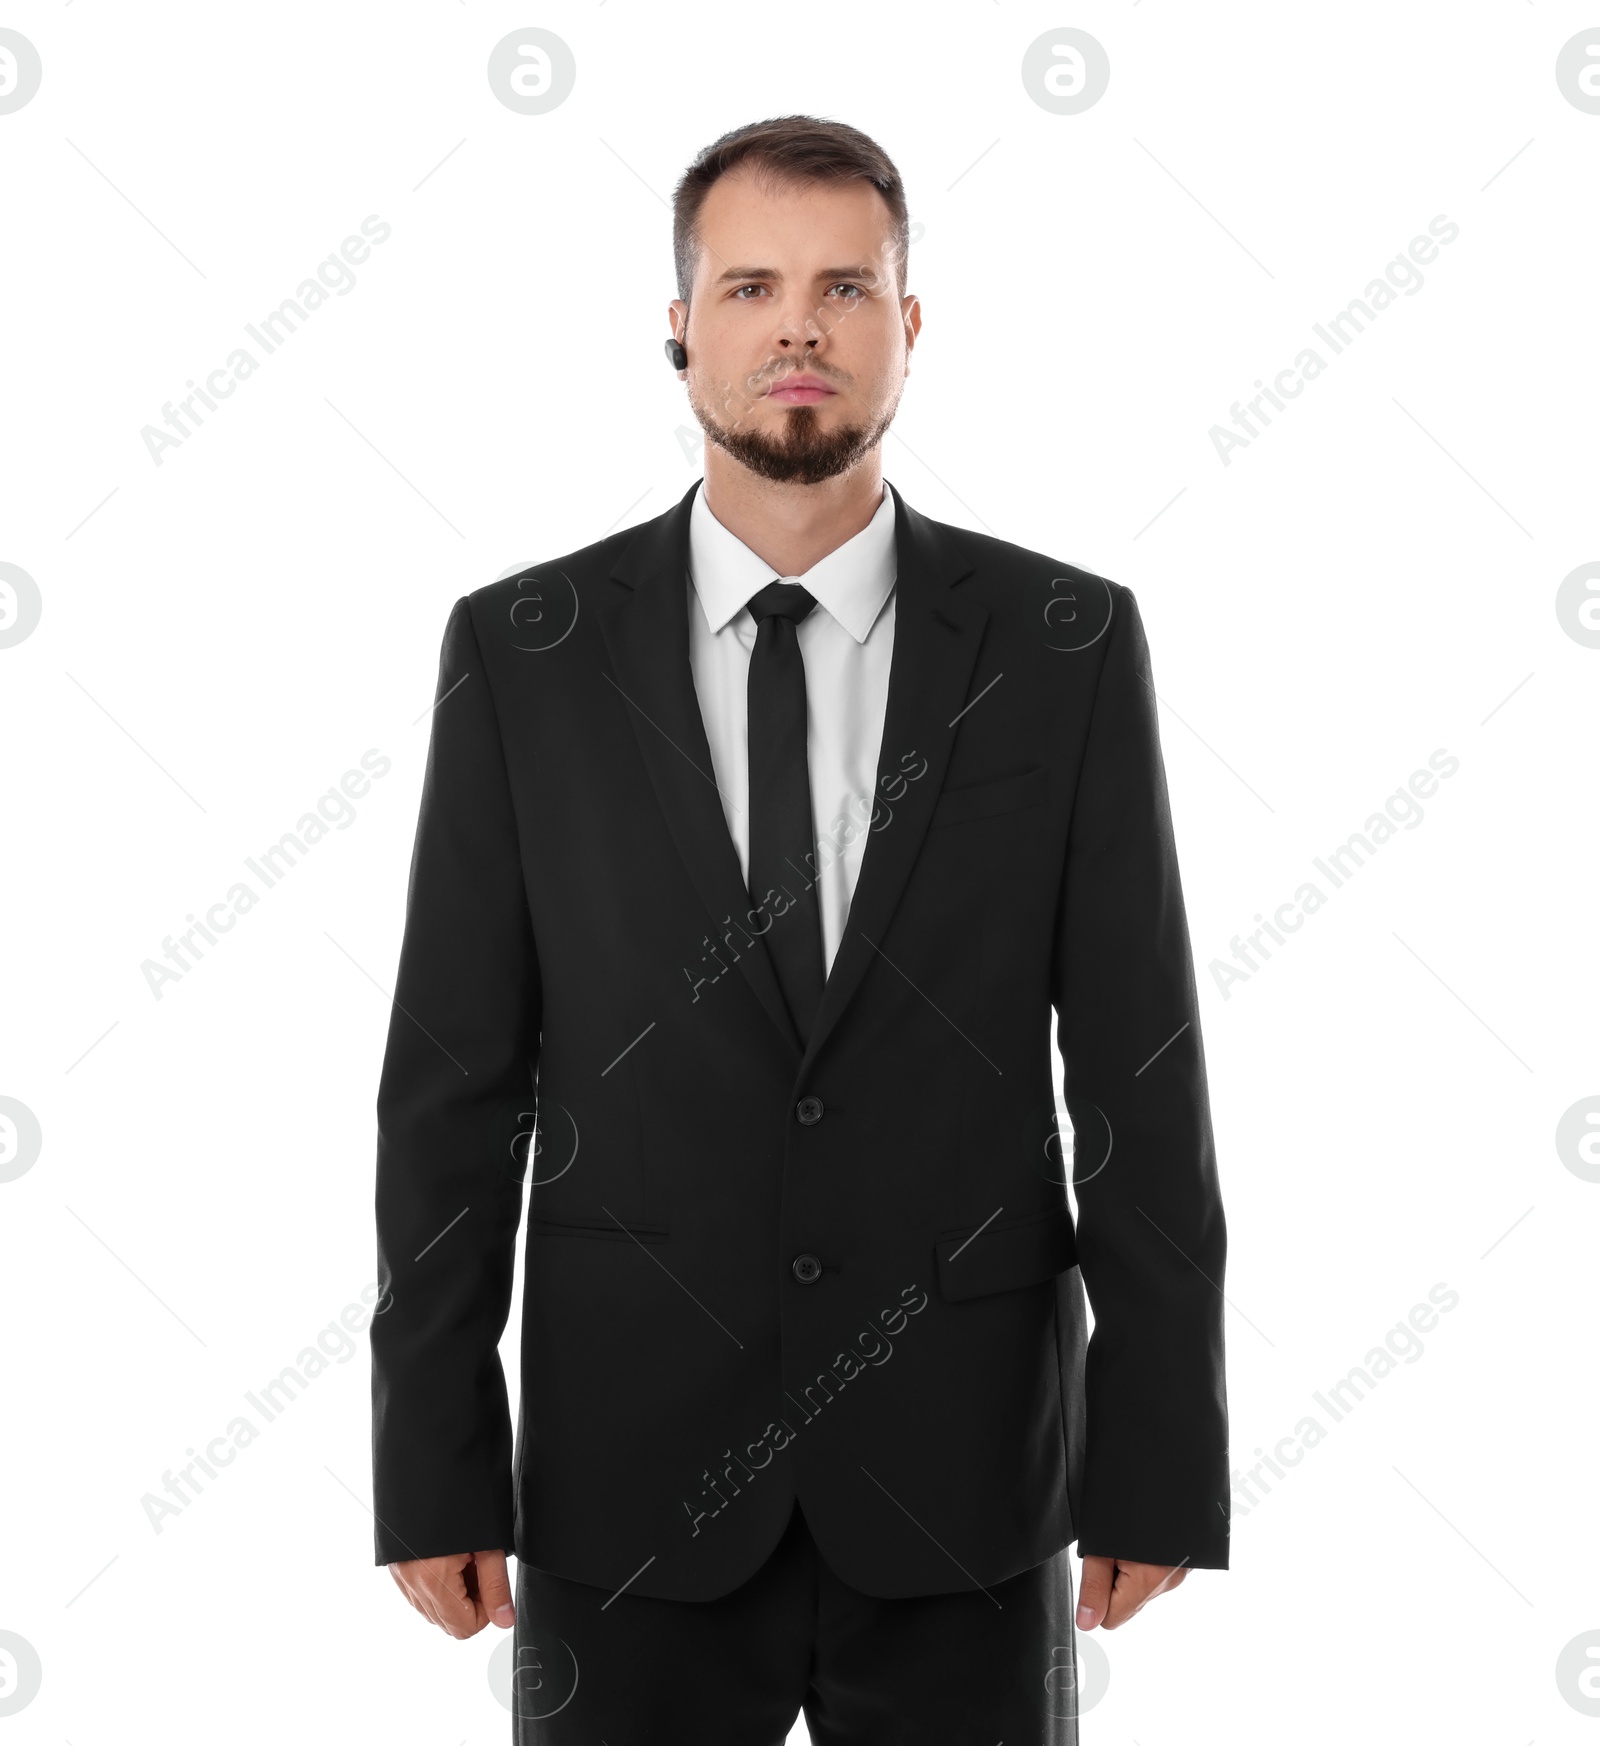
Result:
{"points": [[676, 355]]}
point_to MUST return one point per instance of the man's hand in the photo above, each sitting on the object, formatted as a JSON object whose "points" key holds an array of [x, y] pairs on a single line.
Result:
{"points": [[1114, 1589], [460, 1594]]}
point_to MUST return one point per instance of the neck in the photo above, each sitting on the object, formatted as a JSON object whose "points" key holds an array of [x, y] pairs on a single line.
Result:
{"points": [[791, 527]]}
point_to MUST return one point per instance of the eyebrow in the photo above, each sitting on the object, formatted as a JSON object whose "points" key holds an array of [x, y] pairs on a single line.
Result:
{"points": [[733, 273]]}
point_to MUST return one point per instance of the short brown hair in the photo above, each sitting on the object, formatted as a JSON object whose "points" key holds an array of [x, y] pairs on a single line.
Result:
{"points": [[787, 148]]}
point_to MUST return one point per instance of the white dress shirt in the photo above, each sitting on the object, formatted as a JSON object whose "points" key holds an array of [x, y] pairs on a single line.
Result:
{"points": [[846, 641]]}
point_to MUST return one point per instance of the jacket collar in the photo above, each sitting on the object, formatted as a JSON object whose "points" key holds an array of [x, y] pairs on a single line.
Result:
{"points": [[850, 583], [936, 636]]}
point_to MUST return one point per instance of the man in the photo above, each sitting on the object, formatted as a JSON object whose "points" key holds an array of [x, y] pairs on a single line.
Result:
{"points": [[757, 844]]}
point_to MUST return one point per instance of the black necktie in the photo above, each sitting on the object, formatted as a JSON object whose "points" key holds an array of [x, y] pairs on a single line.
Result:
{"points": [[783, 851]]}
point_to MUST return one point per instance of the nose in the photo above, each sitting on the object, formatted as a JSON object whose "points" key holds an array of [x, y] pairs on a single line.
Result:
{"points": [[798, 326]]}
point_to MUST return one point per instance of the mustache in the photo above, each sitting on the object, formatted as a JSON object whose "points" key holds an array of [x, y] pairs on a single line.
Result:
{"points": [[763, 381]]}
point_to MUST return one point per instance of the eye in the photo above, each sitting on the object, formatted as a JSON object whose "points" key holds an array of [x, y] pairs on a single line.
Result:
{"points": [[844, 285], [742, 288]]}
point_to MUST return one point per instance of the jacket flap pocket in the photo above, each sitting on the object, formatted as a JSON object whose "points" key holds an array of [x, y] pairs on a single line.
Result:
{"points": [[1005, 1255], [986, 799], [544, 1226]]}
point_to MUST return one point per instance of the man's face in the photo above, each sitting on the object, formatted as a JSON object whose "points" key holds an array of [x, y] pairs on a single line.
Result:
{"points": [[798, 340]]}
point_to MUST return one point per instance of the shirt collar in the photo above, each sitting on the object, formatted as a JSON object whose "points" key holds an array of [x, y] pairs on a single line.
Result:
{"points": [[851, 582]]}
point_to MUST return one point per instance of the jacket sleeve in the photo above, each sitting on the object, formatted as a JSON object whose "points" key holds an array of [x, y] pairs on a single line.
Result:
{"points": [[1151, 1235], [458, 1068]]}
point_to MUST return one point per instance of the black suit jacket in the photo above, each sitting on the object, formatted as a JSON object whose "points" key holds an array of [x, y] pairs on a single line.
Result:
{"points": [[848, 1271]]}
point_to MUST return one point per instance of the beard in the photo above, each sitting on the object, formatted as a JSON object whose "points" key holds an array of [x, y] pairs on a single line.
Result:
{"points": [[804, 452]]}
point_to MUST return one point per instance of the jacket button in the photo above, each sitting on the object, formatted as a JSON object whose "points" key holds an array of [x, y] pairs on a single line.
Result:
{"points": [[809, 1110], [807, 1269]]}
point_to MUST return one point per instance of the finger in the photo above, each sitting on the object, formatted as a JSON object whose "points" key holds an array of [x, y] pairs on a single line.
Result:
{"points": [[1136, 1585], [1146, 1581], [409, 1579], [437, 1588], [494, 1588], [1094, 1592], [1127, 1596], [450, 1597]]}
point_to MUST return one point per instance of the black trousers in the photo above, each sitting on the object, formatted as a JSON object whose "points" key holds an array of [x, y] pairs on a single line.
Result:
{"points": [[972, 1667]]}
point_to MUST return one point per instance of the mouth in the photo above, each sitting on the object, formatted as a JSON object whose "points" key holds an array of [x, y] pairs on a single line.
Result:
{"points": [[799, 391]]}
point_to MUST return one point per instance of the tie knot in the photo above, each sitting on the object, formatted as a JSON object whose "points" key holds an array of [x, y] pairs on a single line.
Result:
{"points": [[781, 600]]}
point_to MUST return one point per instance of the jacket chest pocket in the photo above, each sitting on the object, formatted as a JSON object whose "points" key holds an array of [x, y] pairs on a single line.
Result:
{"points": [[990, 799]]}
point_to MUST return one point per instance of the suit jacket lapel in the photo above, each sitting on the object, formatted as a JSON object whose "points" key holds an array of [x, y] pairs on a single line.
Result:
{"points": [[647, 634], [937, 631], [936, 636]]}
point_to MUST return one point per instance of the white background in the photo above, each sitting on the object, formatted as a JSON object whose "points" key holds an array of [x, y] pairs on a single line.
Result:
{"points": [[224, 634]]}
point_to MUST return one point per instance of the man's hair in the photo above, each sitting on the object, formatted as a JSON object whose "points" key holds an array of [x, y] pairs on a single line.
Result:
{"points": [[788, 149]]}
